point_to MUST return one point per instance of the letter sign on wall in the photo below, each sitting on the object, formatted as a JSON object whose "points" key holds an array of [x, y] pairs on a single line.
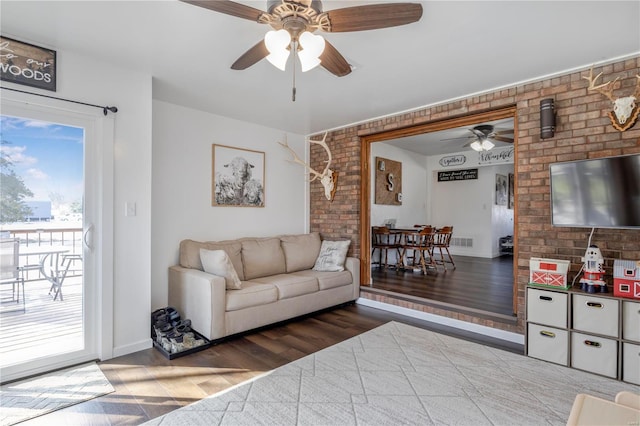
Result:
{"points": [[388, 181], [26, 64]]}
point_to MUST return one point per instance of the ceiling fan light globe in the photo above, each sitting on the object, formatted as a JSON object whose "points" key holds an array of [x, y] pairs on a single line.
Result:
{"points": [[279, 59], [276, 41], [487, 145], [308, 61], [476, 146], [314, 44]]}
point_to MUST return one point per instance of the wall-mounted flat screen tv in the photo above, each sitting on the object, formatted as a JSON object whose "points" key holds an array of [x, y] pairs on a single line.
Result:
{"points": [[598, 193]]}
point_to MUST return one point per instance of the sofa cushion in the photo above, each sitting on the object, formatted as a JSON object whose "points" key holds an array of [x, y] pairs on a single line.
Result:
{"points": [[332, 256], [327, 280], [190, 254], [291, 285], [262, 257], [251, 294], [300, 251], [217, 262]]}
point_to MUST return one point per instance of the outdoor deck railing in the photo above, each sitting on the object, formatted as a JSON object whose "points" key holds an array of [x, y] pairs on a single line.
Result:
{"points": [[70, 238]]}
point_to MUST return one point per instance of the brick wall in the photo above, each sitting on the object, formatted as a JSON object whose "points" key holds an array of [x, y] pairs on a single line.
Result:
{"points": [[583, 130]]}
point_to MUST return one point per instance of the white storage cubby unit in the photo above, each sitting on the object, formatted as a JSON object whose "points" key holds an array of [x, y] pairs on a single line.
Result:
{"points": [[598, 333]]}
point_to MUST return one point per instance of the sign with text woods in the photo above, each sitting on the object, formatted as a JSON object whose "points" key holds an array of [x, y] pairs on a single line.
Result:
{"points": [[26, 64]]}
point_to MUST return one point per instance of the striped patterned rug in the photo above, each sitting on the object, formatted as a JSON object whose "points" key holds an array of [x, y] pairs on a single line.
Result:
{"points": [[29, 398]]}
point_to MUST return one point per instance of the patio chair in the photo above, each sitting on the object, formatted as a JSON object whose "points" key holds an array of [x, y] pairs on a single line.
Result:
{"points": [[10, 271]]}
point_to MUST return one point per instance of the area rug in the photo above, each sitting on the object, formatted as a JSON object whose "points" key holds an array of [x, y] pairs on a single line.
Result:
{"points": [[397, 374], [29, 398]]}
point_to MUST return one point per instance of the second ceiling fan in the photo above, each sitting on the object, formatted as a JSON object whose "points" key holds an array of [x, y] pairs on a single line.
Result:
{"points": [[295, 21], [484, 136]]}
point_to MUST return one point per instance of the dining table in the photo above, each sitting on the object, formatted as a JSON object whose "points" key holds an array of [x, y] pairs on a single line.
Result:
{"points": [[407, 236]]}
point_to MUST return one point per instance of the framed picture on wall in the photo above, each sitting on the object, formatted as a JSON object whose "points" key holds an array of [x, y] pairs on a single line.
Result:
{"points": [[238, 177], [501, 190], [511, 201]]}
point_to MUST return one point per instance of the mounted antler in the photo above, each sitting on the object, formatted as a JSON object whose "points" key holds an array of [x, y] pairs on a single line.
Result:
{"points": [[625, 110], [328, 178]]}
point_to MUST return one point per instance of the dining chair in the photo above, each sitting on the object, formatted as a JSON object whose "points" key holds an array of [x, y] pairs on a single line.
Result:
{"points": [[384, 240], [441, 241], [10, 272], [421, 243]]}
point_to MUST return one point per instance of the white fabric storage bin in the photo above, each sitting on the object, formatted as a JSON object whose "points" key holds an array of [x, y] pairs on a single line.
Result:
{"points": [[595, 314], [547, 343], [547, 307], [631, 321], [596, 354], [631, 363]]}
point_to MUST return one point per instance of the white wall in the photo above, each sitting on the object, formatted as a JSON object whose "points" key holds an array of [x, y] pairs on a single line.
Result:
{"points": [[414, 187], [469, 205], [90, 80], [182, 140]]}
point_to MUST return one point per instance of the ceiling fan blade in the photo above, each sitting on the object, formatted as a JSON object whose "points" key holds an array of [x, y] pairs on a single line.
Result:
{"points": [[251, 56], [229, 8], [502, 139], [333, 61], [503, 132], [374, 16], [457, 138]]}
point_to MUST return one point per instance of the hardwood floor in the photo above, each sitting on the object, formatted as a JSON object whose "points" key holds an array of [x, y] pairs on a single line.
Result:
{"points": [[476, 283], [148, 385]]}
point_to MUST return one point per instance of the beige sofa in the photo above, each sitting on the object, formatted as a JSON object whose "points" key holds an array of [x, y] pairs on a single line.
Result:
{"points": [[277, 280], [591, 410]]}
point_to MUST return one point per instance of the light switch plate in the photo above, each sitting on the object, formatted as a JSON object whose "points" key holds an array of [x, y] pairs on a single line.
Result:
{"points": [[129, 208]]}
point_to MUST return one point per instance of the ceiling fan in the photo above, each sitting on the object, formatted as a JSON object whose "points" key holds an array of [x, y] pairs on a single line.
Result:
{"points": [[484, 136], [295, 21]]}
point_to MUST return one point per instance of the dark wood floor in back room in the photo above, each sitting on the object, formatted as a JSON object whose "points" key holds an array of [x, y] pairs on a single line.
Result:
{"points": [[147, 385], [476, 283]]}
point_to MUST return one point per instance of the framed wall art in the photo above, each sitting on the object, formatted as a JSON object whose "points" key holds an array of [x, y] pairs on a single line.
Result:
{"points": [[512, 199], [501, 190], [238, 177], [26, 64], [388, 182]]}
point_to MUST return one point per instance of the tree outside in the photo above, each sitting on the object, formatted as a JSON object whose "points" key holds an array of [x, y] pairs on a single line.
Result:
{"points": [[13, 192]]}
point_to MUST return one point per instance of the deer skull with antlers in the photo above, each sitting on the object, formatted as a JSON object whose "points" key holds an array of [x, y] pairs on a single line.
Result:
{"points": [[625, 110], [328, 178]]}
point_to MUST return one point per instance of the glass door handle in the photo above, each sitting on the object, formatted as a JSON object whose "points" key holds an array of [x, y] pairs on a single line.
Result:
{"points": [[85, 238]]}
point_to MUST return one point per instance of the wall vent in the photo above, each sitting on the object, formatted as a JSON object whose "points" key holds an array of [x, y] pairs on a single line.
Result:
{"points": [[462, 242]]}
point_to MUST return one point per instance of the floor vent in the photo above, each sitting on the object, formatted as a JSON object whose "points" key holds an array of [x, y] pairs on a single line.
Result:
{"points": [[462, 242]]}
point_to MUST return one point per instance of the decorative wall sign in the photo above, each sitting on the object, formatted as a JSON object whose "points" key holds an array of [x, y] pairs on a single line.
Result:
{"points": [[238, 177], [496, 156], [453, 160], [501, 190], [452, 175], [388, 182], [26, 64]]}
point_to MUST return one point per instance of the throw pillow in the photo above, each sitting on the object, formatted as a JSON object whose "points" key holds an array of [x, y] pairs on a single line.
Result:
{"points": [[217, 262], [332, 256], [300, 251]]}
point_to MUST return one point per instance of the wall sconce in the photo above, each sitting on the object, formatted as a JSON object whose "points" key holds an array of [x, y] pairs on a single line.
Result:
{"points": [[547, 118]]}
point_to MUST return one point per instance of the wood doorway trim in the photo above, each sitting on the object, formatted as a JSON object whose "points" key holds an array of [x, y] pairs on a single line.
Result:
{"points": [[432, 126]]}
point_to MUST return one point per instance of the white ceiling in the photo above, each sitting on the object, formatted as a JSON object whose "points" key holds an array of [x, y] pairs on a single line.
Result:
{"points": [[458, 48]]}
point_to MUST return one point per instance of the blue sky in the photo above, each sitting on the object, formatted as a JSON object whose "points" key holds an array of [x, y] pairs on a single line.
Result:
{"points": [[48, 157]]}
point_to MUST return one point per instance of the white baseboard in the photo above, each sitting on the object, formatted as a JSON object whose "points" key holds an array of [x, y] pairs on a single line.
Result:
{"points": [[133, 347], [451, 322]]}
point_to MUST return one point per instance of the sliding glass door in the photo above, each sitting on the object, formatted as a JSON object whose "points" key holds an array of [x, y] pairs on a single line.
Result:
{"points": [[50, 209]]}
